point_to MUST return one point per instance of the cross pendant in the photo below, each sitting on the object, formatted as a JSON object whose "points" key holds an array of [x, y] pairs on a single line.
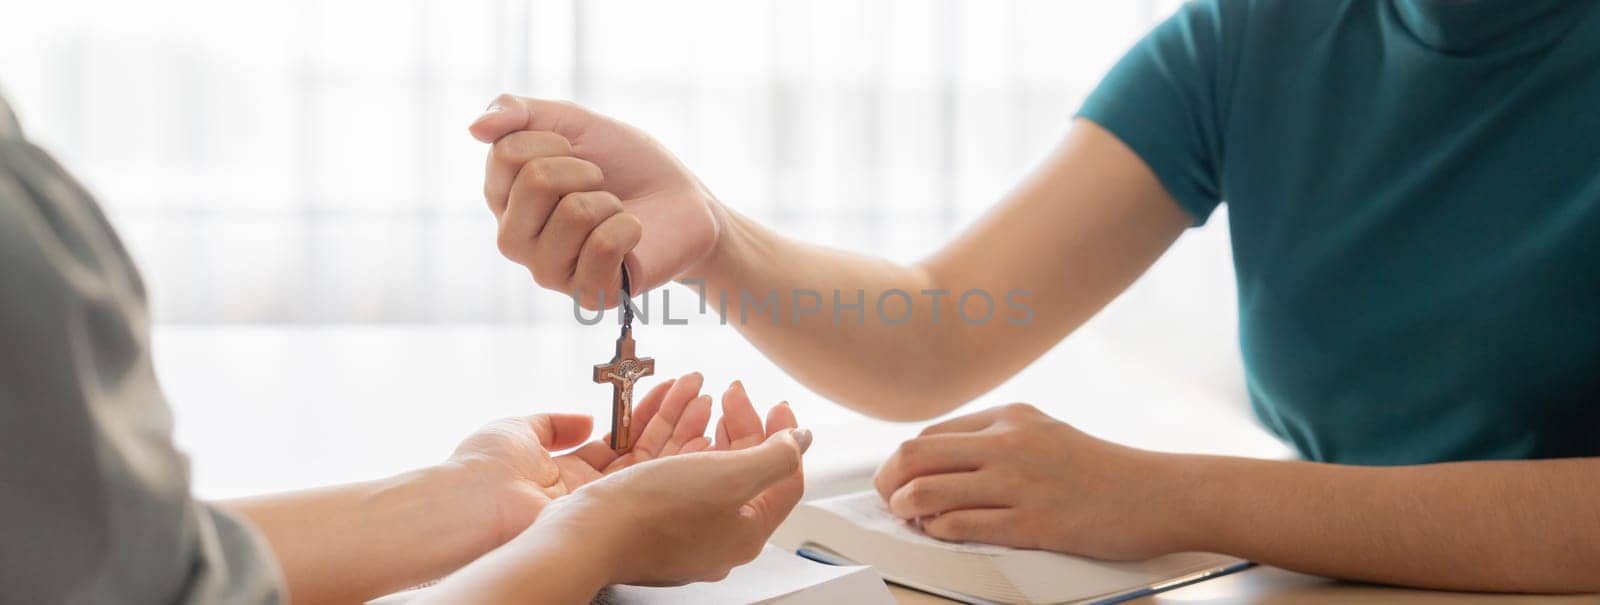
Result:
{"points": [[624, 369]]}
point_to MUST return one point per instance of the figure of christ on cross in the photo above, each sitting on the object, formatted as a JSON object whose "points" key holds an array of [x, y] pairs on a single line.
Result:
{"points": [[624, 369]]}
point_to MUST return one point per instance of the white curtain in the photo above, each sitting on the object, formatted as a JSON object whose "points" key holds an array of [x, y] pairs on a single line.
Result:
{"points": [[307, 161]]}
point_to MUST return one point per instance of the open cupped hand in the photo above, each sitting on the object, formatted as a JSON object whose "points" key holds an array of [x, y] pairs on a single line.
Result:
{"points": [[519, 473], [686, 518]]}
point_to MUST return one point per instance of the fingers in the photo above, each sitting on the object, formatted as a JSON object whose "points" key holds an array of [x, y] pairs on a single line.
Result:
{"points": [[781, 417], [986, 525], [966, 424], [931, 455], [722, 442], [672, 419], [659, 430], [507, 157], [698, 444], [575, 218], [599, 265], [740, 426], [691, 425], [560, 431], [510, 113], [597, 454], [538, 186], [556, 216], [504, 114], [783, 480], [646, 408], [767, 510], [750, 471], [936, 494]]}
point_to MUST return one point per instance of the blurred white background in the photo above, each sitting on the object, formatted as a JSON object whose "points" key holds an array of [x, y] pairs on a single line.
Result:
{"points": [[296, 180]]}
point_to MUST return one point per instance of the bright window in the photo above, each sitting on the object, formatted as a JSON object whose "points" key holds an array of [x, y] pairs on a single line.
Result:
{"points": [[307, 161]]}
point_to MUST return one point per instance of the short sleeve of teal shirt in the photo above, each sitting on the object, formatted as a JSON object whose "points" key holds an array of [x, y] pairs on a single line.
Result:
{"points": [[1166, 99]]}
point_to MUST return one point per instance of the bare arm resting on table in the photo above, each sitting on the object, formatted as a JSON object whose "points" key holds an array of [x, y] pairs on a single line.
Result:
{"points": [[1514, 526], [1017, 477]]}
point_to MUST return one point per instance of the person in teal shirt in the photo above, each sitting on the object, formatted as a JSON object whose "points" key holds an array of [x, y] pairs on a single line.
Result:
{"points": [[1414, 198], [1413, 194]]}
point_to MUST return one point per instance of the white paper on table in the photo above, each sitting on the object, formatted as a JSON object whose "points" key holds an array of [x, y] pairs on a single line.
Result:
{"points": [[776, 577]]}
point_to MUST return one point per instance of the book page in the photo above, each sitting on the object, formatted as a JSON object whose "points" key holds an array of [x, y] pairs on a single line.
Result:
{"points": [[868, 511], [1010, 574]]}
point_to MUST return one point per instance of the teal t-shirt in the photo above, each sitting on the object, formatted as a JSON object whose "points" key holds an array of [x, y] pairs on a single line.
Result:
{"points": [[1414, 196]]}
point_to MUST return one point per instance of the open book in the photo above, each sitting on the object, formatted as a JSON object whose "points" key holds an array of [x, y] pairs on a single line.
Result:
{"points": [[857, 528]]}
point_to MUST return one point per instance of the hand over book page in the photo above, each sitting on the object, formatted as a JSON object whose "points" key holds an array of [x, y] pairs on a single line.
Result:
{"points": [[858, 528]]}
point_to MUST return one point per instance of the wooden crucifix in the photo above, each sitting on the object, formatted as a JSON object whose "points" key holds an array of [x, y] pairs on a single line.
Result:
{"points": [[624, 369]]}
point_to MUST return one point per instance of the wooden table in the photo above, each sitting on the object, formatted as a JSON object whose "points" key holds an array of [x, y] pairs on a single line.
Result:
{"points": [[1273, 586]]}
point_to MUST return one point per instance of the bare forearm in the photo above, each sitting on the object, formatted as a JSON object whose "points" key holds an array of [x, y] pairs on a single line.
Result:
{"points": [[826, 327], [1513, 526], [1048, 257], [354, 542], [534, 568]]}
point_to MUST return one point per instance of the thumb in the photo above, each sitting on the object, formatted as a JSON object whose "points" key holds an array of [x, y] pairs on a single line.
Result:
{"points": [[510, 113], [750, 471], [560, 431], [772, 504]]}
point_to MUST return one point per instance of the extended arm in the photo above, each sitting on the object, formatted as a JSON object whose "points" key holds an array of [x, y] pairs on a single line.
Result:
{"points": [[543, 568], [1074, 236], [354, 542], [577, 194]]}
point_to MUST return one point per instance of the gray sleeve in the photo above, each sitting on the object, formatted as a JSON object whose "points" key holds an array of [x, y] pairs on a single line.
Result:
{"points": [[94, 497]]}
